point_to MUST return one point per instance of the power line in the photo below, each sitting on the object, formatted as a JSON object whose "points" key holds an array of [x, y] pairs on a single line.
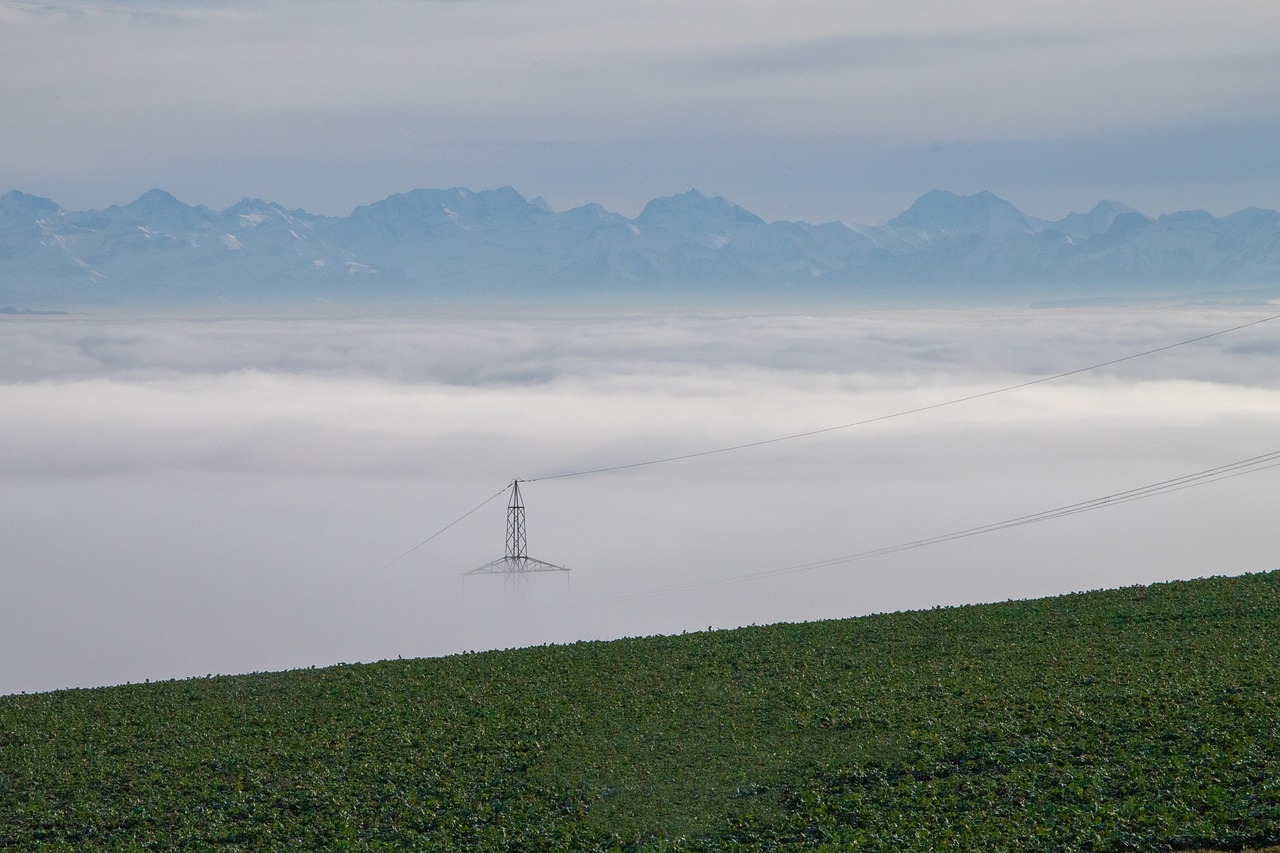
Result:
{"points": [[1210, 475], [903, 413], [821, 431], [475, 508]]}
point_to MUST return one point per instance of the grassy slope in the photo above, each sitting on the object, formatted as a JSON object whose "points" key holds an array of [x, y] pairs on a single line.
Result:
{"points": [[1137, 719]]}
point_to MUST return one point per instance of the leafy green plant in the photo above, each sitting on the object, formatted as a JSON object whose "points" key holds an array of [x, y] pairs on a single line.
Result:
{"points": [[1136, 719]]}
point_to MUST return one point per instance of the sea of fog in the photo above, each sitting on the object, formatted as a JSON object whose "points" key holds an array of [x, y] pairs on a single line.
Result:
{"points": [[185, 497]]}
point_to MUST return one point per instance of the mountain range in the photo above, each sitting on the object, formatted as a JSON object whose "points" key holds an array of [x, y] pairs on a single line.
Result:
{"points": [[458, 243]]}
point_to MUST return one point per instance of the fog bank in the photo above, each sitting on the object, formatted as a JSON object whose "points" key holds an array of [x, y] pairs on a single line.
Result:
{"points": [[188, 497]]}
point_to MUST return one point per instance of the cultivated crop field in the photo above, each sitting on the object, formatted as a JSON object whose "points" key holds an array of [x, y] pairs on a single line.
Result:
{"points": [[1135, 719]]}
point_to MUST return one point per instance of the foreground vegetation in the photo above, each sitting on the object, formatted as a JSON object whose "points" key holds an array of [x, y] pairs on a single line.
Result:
{"points": [[1136, 719]]}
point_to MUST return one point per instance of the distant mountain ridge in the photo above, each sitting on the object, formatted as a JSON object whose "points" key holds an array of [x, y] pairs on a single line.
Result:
{"points": [[425, 243]]}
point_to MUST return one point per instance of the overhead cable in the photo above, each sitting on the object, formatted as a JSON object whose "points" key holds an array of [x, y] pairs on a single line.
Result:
{"points": [[809, 433], [1210, 475], [475, 508]]}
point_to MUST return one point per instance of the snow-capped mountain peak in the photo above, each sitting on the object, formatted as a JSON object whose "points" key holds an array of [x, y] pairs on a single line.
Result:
{"points": [[458, 241], [940, 213], [1096, 221], [692, 212], [21, 206]]}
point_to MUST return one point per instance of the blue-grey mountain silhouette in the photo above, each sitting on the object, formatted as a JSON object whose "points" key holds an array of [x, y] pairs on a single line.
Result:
{"points": [[422, 244]]}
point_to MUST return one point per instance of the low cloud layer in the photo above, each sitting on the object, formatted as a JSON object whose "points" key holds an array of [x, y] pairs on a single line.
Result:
{"points": [[183, 497]]}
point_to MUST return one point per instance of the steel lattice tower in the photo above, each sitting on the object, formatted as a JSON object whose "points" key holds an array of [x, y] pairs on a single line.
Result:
{"points": [[516, 562]]}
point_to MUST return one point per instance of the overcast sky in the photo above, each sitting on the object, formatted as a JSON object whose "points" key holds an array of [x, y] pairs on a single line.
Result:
{"points": [[188, 497], [809, 109]]}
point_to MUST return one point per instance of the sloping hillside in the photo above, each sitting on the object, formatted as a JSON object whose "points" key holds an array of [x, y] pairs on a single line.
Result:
{"points": [[1136, 719]]}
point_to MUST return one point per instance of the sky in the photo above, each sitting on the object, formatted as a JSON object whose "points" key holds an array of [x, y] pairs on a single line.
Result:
{"points": [[187, 497], [810, 109]]}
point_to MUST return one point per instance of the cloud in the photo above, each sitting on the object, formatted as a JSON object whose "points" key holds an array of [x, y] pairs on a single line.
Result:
{"points": [[182, 497], [329, 105]]}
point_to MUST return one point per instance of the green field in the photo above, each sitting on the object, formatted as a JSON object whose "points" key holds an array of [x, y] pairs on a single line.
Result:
{"points": [[1144, 719]]}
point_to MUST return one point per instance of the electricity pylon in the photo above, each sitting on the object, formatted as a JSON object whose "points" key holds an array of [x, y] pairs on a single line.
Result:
{"points": [[516, 562]]}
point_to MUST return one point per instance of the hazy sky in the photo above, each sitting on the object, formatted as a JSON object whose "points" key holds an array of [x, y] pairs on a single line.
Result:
{"points": [[188, 497], [809, 109]]}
